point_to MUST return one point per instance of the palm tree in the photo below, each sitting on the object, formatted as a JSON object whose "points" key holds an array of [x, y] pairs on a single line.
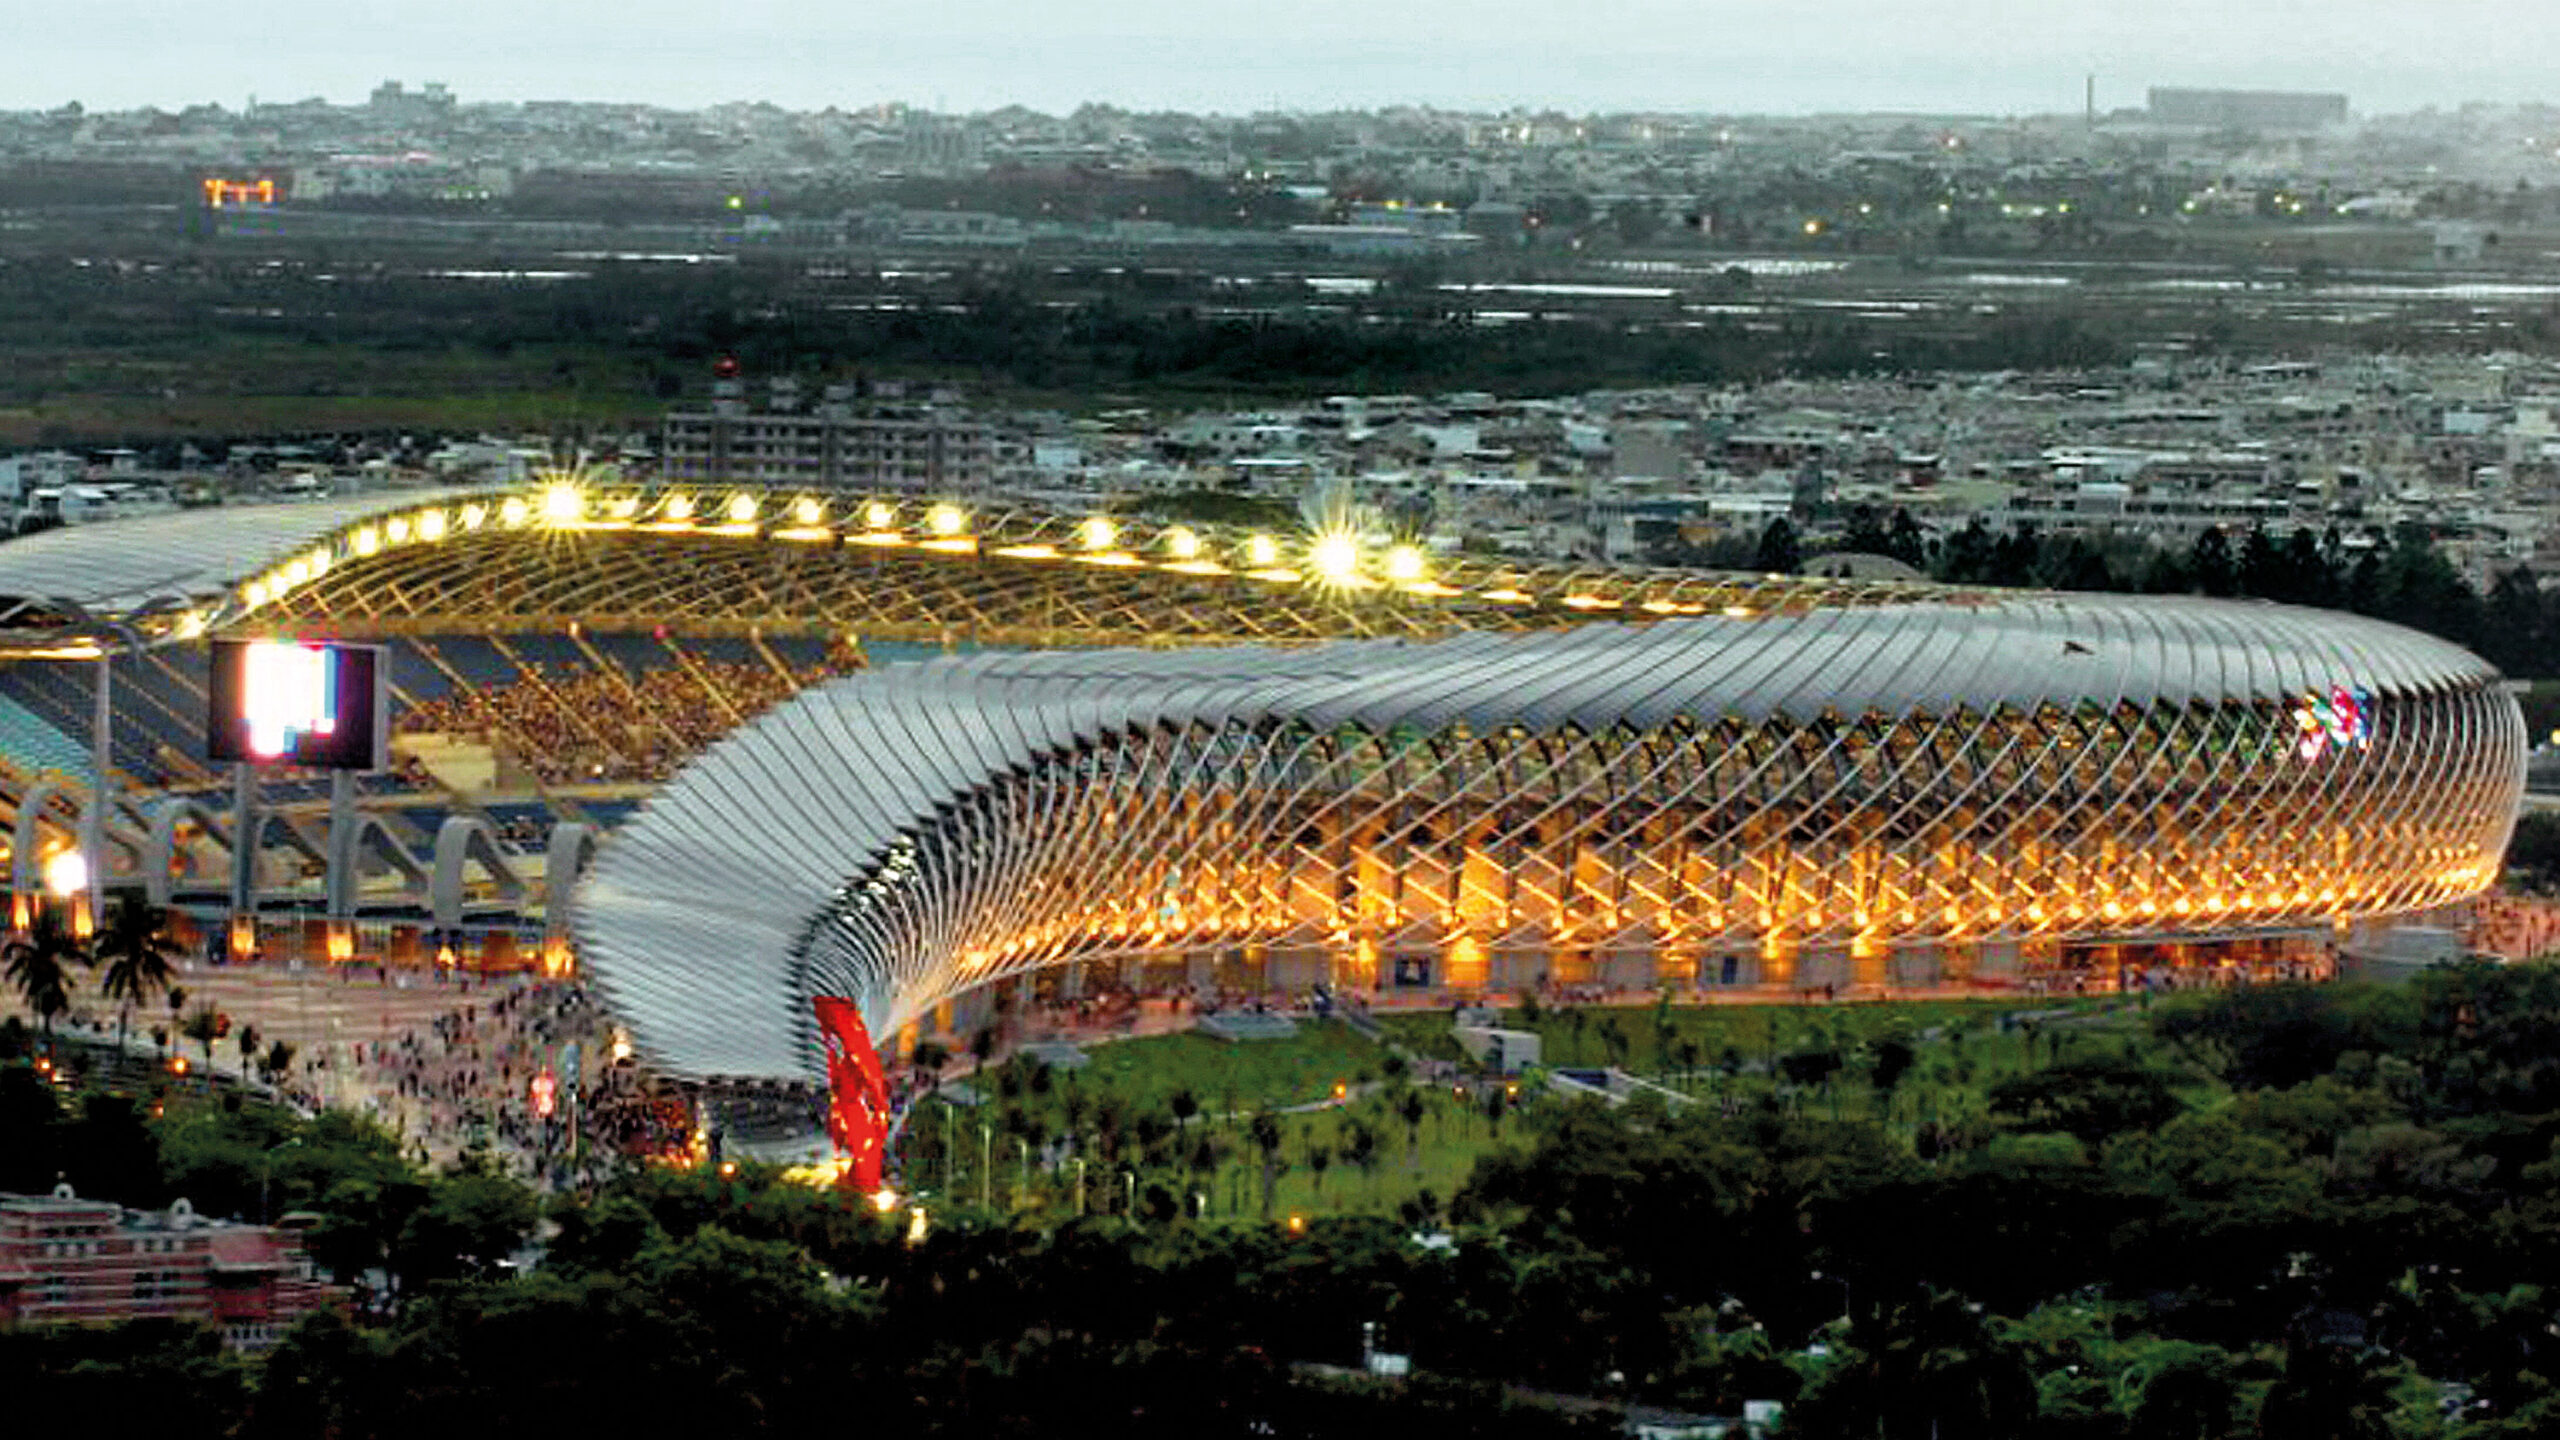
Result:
{"points": [[204, 1026], [38, 964], [134, 951]]}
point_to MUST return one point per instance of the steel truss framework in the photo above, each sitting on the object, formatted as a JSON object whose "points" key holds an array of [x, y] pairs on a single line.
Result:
{"points": [[1931, 777], [912, 571]]}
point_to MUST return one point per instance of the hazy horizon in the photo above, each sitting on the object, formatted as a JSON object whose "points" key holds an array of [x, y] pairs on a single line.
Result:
{"points": [[1986, 57]]}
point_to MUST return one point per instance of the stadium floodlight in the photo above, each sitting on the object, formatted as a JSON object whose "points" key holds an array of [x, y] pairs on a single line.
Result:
{"points": [[396, 530], [365, 541], [679, 507], [431, 525], [1335, 558], [742, 509], [1261, 551], [878, 515], [1182, 544], [514, 511], [1098, 533], [808, 511], [946, 520], [474, 516], [562, 504], [1405, 565]]}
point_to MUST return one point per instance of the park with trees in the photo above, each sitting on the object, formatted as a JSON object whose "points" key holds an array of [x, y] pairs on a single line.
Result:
{"points": [[2280, 1211]]}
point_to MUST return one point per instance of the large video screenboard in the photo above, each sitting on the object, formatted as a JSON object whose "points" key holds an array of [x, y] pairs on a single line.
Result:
{"points": [[316, 703]]}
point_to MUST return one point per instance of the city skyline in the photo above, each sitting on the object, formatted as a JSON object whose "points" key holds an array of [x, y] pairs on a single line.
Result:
{"points": [[1985, 57]]}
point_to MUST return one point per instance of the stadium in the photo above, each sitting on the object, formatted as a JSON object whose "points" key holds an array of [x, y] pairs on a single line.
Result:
{"points": [[1179, 755]]}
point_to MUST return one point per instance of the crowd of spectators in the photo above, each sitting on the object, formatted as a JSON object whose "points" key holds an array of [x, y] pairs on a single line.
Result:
{"points": [[597, 723], [2514, 927], [470, 1073]]}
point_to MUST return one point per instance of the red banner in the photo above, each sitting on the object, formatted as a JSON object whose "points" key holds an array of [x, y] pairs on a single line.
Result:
{"points": [[857, 1091]]}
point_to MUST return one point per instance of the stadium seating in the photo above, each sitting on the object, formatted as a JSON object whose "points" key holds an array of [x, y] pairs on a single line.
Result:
{"points": [[34, 746]]}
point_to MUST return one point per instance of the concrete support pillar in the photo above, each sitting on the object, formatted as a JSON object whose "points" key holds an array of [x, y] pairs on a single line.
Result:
{"points": [[1778, 961]]}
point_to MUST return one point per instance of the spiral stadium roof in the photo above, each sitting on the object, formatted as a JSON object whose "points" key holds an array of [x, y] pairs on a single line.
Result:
{"points": [[1943, 773]]}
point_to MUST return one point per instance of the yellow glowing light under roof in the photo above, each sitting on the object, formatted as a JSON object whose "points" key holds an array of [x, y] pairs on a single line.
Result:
{"points": [[66, 873], [473, 516], [808, 511], [365, 541], [1097, 533], [1335, 557], [514, 511], [946, 520], [742, 508], [878, 516], [1261, 551], [397, 531], [1405, 564], [1181, 543], [561, 503], [679, 507], [431, 525]]}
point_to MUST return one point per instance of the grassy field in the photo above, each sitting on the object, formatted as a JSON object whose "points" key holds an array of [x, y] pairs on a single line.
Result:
{"points": [[1651, 1038], [1356, 1154], [1228, 1077]]}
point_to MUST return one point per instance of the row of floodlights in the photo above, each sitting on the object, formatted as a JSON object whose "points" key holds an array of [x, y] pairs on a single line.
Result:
{"points": [[1338, 559]]}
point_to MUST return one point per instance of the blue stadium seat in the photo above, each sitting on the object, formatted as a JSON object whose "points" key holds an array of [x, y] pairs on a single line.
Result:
{"points": [[34, 746]]}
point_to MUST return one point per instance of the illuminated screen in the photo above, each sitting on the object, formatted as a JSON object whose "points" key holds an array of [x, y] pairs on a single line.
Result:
{"points": [[2333, 723], [281, 702]]}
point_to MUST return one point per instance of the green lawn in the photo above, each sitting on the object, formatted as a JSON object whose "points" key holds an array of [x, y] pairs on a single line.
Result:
{"points": [[1961, 1049]]}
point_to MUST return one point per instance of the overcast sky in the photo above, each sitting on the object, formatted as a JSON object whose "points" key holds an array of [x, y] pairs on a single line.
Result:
{"points": [[1987, 56]]}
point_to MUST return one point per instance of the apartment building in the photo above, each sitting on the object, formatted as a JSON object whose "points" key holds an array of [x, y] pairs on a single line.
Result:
{"points": [[844, 442]]}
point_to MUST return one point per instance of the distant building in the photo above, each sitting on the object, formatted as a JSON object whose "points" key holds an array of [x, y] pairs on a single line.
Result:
{"points": [[2247, 109], [844, 443], [66, 1260]]}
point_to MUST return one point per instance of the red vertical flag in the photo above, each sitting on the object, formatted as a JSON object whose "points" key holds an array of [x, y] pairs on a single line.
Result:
{"points": [[857, 1091]]}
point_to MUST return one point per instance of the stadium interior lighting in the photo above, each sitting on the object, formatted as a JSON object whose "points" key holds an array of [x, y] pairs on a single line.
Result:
{"points": [[742, 509], [878, 516], [562, 504], [396, 530], [514, 511], [679, 507], [808, 511], [946, 520], [1097, 533], [66, 873], [1261, 551], [1335, 558], [431, 525], [473, 516], [1405, 564], [625, 506], [1181, 544], [365, 541], [254, 594]]}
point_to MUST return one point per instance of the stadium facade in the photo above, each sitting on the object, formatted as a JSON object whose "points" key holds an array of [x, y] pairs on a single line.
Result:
{"points": [[1907, 794], [1266, 761]]}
